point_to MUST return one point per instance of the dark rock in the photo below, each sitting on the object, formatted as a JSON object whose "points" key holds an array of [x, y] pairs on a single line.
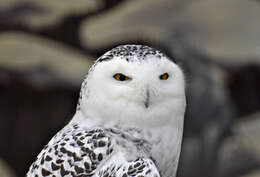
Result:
{"points": [[244, 86], [38, 94], [208, 118]]}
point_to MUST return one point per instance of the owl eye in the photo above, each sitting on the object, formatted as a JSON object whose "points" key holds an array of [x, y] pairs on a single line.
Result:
{"points": [[121, 77], [164, 76]]}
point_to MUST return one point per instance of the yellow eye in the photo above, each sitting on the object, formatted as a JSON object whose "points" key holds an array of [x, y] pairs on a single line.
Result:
{"points": [[164, 76], [121, 77]]}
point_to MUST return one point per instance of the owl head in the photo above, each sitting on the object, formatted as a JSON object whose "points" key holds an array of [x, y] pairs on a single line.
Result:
{"points": [[133, 85]]}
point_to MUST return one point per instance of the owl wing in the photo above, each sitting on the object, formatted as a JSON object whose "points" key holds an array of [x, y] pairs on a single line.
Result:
{"points": [[77, 152], [141, 167]]}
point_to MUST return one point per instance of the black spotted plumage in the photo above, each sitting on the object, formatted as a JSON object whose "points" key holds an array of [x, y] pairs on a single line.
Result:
{"points": [[66, 155]]}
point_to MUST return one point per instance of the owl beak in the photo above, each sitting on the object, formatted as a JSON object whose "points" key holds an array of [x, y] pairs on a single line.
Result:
{"points": [[147, 98]]}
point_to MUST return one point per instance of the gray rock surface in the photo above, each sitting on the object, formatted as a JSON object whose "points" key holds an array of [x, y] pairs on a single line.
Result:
{"points": [[208, 118], [5, 170], [226, 31], [42, 62], [249, 133], [42, 13], [253, 174], [242, 150]]}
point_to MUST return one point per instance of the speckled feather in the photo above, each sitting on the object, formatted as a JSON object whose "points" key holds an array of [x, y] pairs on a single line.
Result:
{"points": [[126, 51], [78, 152]]}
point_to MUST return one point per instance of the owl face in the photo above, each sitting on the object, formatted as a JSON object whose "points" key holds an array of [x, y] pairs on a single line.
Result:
{"points": [[135, 91]]}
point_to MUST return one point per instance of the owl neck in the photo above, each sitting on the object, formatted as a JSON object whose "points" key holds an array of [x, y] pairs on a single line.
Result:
{"points": [[81, 119], [84, 121]]}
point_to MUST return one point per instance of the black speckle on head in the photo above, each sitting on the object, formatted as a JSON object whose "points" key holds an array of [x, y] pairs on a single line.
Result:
{"points": [[127, 51]]}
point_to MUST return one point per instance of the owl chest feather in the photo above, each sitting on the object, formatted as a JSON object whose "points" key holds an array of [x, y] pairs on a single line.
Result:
{"points": [[165, 149], [160, 144]]}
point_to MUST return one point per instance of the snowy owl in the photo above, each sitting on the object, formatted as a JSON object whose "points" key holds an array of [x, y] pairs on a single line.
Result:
{"points": [[128, 122]]}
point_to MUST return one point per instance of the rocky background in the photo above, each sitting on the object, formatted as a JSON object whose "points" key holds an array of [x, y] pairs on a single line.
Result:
{"points": [[47, 46]]}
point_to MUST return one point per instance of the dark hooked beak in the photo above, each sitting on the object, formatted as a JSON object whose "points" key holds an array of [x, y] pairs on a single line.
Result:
{"points": [[147, 99]]}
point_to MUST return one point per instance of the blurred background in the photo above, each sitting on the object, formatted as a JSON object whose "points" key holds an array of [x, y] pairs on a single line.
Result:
{"points": [[47, 46]]}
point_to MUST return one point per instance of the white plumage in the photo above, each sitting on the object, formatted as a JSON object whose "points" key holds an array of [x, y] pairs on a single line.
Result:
{"points": [[129, 120]]}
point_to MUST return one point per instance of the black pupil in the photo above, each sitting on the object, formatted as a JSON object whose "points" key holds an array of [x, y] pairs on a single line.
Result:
{"points": [[121, 77], [164, 76]]}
